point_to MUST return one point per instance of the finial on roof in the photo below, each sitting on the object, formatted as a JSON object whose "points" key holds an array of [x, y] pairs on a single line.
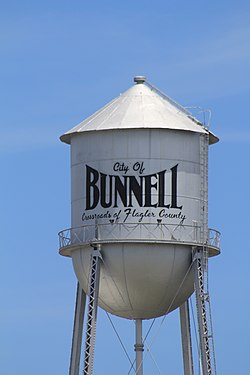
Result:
{"points": [[139, 79]]}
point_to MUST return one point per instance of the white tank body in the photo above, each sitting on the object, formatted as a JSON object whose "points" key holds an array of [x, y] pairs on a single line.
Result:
{"points": [[136, 190], [139, 280], [156, 158]]}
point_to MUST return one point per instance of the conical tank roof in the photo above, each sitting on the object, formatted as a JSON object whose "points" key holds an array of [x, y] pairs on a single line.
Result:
{"points": [[141, 106]]}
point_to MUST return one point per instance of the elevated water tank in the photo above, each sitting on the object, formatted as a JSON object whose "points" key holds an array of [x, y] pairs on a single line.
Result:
{"points": [[139, 191]]}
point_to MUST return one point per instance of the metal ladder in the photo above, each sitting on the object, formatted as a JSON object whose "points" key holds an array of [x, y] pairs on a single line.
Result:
{"points": [[201, 271], [204, 141]]}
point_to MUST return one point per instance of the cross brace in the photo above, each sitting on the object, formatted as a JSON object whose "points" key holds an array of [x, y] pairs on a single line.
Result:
{"points": [[92, 311]]}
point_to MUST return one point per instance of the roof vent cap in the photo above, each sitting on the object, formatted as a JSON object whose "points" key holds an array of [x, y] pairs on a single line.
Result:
{"points": [[139, 79]]}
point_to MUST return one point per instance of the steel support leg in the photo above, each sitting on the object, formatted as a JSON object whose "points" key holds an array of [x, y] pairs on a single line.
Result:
{"points": [[77, 331], [201, 314], [186, 339], [92, 311], [139, 347]]}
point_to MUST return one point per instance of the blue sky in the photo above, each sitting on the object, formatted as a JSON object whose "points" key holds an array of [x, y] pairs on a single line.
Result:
{"points": [[60, 61]]}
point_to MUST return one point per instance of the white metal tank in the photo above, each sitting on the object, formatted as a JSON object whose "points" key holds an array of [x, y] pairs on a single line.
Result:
{"points": [[137, 168]]}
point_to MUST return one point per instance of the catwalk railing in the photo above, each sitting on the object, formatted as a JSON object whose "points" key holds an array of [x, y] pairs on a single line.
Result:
{"points": [[137, 232]]}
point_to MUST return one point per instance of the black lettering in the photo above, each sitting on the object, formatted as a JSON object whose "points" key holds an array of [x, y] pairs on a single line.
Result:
{"points": [[92, 177], [148, 187], [174, 188], [161, 192], [105, 204], [121, 190], [136, 188]]}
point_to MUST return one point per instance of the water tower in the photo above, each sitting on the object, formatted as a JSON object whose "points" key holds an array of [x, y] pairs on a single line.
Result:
{"points": [[139, 238]]}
